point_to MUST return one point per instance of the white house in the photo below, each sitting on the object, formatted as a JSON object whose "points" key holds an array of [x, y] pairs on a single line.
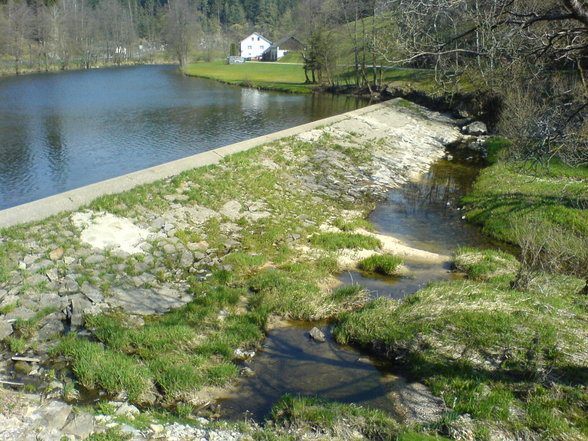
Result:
{"points": [[254, 45]]}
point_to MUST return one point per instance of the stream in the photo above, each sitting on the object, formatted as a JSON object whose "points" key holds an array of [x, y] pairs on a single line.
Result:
{"points": [[424, 215]]}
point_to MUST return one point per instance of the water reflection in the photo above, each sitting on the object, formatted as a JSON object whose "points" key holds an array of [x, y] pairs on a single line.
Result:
{"points": [[426, 214], [62, 131]]}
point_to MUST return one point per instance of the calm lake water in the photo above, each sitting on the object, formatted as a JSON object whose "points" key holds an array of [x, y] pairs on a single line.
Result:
{"points": [[66, 130]]}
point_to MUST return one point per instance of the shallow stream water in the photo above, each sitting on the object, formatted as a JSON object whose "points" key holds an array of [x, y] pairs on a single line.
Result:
{"points": [[424, 215]]}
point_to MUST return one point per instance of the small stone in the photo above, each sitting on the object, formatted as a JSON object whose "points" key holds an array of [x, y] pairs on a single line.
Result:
{"points": [[91, 293], [69, 260], [186, 259], [20, 313], [37, 279], [230, 244], [5, 329], [317, 335], [231, 210], [56, 254], [52, 275], [78, 306], [69, 285], [50, 330], [240, 354], [158, 223], [50, 300], [40, 265], [198, 256], [168, 248], [128, 410], [156, 428], [95, 258], [247, 372]]}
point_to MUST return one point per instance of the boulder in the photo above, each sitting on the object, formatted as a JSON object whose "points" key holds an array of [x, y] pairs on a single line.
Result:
{"points": [[477, 128], [81, 426], [51, 416]]}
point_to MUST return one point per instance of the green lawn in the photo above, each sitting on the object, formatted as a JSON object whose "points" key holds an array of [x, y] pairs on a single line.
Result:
{"points": [[272, 76], [290, 78]]}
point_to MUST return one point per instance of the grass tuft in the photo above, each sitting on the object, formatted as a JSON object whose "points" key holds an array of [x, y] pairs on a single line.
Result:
{"points": [[337, 241], [381, 264], [486, 264]]}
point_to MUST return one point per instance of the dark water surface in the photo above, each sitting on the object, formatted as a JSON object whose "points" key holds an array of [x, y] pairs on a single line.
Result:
{"points": [[62, 131], [291, 362]]}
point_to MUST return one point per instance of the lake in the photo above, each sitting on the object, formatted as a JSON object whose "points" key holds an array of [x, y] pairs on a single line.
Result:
{"points": [[66, 130]]}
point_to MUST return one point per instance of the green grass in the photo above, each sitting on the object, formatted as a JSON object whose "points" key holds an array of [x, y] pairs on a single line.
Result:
{"points": [[292, 291], [337, 241], [271, 76], [96, 367], [352, 225], [111, 434], [485, 264], [542, 209], [290, 78], [292, 57], [506, 194], [381, 264], [333, 418], [506, 357], [494, 147], [16, 344]]}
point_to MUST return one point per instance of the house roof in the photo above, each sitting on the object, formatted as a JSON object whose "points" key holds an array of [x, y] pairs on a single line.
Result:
{"points": [[255, 34], [285, 39]]}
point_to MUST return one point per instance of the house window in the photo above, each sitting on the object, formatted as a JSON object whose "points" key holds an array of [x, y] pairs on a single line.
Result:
{"points": [[252, 38], [249, 47], [261, 46], [258, 38]]}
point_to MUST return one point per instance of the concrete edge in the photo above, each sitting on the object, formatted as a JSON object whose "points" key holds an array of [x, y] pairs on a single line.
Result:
{"points": [[73, 199]]}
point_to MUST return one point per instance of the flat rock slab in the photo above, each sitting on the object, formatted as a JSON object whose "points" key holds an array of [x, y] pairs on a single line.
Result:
{"points": [[107, 231], [51, 416], [148, 301]]}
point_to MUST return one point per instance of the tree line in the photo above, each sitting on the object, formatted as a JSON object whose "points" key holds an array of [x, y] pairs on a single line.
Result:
{"points": [[45, 34]]}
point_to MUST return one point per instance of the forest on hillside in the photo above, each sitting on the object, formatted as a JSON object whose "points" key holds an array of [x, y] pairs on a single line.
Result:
{"points": [[44, 33]]}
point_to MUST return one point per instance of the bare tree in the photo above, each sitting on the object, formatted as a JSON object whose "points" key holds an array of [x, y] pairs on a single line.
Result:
{"points": [[181, 28], [16, 30]]}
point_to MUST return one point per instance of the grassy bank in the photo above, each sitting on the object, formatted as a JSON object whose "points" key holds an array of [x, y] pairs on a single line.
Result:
{"points": [[507, 363], [268, 76], [9, 70], [544, 211], [290, 78]]}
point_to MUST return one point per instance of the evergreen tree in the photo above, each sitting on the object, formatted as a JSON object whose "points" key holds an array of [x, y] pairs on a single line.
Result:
{"points": [[234, 12], [267, 14]]}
